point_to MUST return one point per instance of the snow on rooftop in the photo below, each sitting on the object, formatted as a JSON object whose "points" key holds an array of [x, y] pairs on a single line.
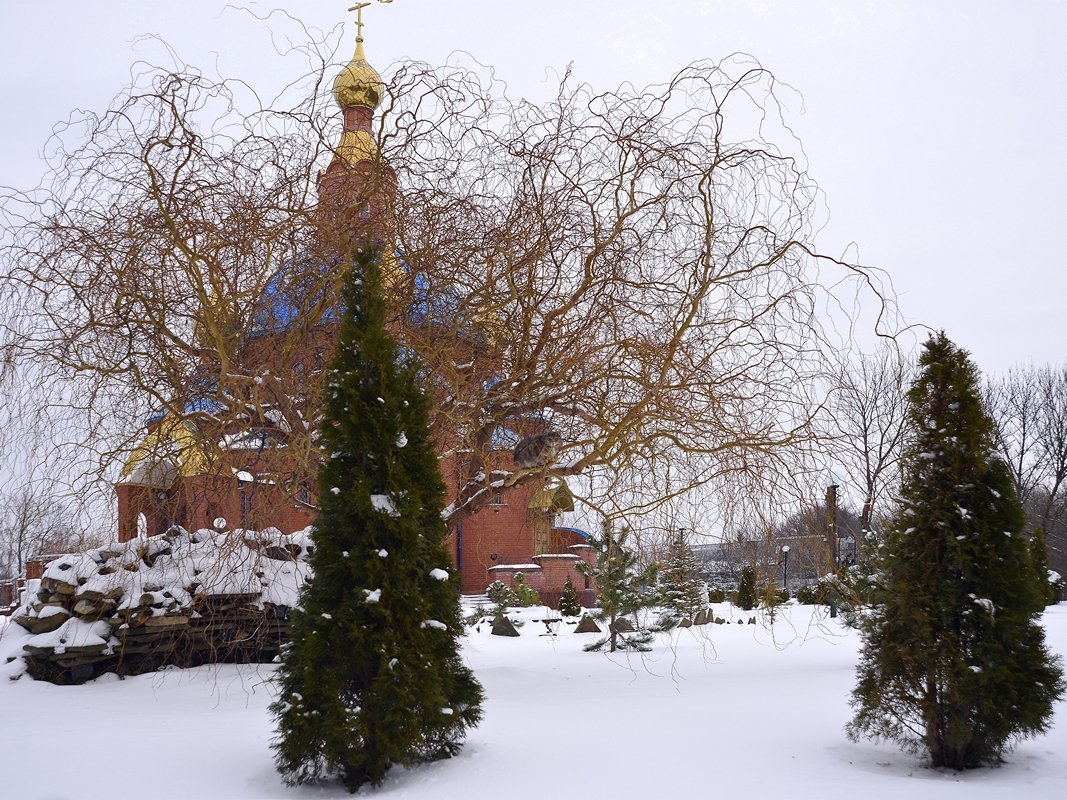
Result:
{"points": [[516, 566]]}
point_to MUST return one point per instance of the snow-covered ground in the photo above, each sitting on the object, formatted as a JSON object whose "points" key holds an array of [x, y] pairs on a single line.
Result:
{"points": [[722, 710]]}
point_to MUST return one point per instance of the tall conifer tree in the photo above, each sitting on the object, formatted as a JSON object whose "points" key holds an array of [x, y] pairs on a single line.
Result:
{"points": [[372, 676], [954, 662]]}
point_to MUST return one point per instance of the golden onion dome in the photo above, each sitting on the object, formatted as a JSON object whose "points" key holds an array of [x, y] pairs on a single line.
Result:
{"points": [[356, 146], [358, 83]]}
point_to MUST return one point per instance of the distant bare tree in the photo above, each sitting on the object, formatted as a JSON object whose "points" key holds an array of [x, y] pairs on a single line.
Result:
{"points": [[1015, 406], [868, 413], [1028, 406], [35, 522]]}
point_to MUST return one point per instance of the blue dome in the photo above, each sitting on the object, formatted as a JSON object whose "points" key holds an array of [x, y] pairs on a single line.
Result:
{"points": [[300, 284], [289, 291]]}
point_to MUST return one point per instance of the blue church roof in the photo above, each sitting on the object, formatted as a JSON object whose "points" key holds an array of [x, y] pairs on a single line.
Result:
{"points": [[300, 284]]}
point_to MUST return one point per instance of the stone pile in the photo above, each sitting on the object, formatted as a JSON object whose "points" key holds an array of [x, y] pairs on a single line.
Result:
{"points": [[184, 598]]}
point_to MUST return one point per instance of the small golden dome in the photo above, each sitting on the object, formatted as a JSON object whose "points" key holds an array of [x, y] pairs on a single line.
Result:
{"points": [[358, 83]]}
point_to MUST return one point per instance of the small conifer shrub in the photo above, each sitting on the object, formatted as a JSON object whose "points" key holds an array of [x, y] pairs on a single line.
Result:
{"points": [[682, 593], [569, 605], [1039, 562], [528, 596], [746, 589], [808, 595], [502, 595], [619, 583]]}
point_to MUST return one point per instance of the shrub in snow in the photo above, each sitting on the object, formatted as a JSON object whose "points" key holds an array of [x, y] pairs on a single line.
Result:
{"points": [[773, 596], [852, 589], [502, 595], [1052, 585], [716, 594], [527, 595], [808, 595], [746, 589], [1057, 586], [953, 662], [771, 599], [569, 604], [366, 685], [682, 593]]}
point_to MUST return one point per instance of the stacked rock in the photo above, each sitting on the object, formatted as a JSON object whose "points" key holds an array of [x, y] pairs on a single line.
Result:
{"points": [[184, 598]]}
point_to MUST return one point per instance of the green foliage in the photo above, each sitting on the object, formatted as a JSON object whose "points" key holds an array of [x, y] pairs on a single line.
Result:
{"points": [[681, 591], [1050, 594], [953, 662], [502, 595], [372, 676], [716, 594], [746, 589], [618, 583], [770, 598], [528, 596], [851, 589], [808, 595], [637, 641], [569, 604]]}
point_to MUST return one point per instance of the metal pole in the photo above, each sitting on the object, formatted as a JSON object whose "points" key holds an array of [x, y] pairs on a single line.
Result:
{"points": [[831, 534]]}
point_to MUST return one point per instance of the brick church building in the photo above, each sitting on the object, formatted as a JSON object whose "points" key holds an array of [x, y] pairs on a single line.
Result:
{"points": [[192, 470]]}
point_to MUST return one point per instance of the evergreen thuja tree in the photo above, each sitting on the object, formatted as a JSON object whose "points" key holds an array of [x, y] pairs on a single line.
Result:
{"points": [[746, 588], [569, 603], [954, 662], [372, 676], [1039, 562], [682, 593]]}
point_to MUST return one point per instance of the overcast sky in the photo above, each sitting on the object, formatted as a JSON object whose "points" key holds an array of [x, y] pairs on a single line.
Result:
{"points": [[934, 127]]}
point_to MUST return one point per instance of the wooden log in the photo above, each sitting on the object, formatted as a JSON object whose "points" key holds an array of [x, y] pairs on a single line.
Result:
{"points": [[46, 652], [38, 606], [47, 624], [67, 662], [166, 622], [114, 593]]}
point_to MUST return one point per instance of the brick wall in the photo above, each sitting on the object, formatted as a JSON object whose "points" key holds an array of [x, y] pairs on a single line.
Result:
{"points": [[498, 534], [506, 573], [557, 568]]}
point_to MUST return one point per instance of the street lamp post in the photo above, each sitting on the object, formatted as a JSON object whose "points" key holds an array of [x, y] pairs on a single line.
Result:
{"points": [[785, 566]]}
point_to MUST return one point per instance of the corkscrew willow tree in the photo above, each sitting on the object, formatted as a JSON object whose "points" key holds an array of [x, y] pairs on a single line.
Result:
{"points": [[634, 268]]}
